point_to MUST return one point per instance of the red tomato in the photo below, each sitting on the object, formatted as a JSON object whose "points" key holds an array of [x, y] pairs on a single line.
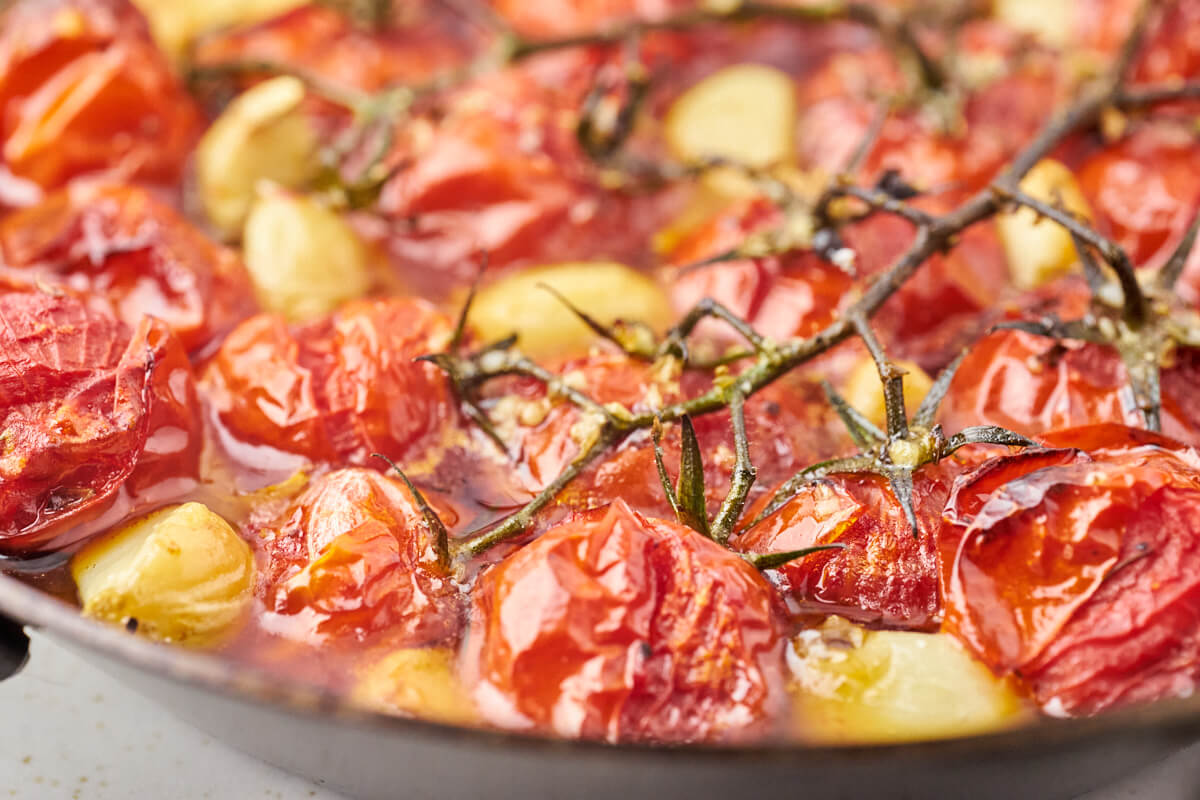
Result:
{"points": [[1081, 571], [132, 255], [1171, 50], [97, 420], [335, 390], [352, 557], [1031, 384], [625, 628], [885, 575], [789, 426], [83, 88], [1145, 192], [323, 41]]}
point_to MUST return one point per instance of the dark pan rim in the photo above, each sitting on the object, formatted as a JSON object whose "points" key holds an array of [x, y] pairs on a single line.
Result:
{"points": [[1171, 721]]}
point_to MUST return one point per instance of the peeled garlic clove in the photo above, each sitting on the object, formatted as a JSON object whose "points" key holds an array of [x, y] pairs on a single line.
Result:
{"points": [[864, 389], [304, 259], [177, 23], [262, 135], [605, 291], [856, 685], [1052, 21], [419, 682], [745, 113], [1040, 250], [182, 573]]}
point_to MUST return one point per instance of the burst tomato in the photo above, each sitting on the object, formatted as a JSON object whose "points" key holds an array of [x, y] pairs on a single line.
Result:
{"points": [[1080, 570], [130, 254], [335, 390], [624, 628], [83, 88], [97, 419], [352, 557]]}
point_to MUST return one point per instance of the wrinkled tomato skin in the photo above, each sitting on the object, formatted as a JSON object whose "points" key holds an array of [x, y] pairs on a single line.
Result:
{"points": [[352, 558], [789, 426], [335, 390], [98, 420], [132, 255], [885, 576], [1080, 571], [319, 40], [1032, 384], [626, 629], [83, 88]]}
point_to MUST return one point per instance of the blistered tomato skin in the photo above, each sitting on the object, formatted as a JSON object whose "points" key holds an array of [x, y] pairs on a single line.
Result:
{"points": [[83, 88], [884, 575], [626, 629], [352, 557], [338, 389], [97, 420], [1080, 570], [131, 254]]}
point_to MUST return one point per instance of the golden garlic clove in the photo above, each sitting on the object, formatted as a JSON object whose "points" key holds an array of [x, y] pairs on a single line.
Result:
{"points": [[182, 573], [1040, 250], [864, 389], [418, 682], [605, 291], [304, 259], [1052, 21], [263, 135], [177, 23]]}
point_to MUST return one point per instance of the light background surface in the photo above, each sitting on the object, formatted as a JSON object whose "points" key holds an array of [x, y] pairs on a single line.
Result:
{"points": [[69, 731]]}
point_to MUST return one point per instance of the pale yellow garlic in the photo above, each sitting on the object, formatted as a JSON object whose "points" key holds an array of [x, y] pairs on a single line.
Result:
{"points": [[605, 291], [1052, 21], [855, 685], [864, 389], [419, 682], [304, 259], [1040, 250], [263, 135], [744, 113], [182, 573], [177, 23]]}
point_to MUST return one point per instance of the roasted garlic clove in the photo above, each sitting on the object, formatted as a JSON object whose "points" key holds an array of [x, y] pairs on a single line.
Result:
{"points": [[1052, 21], [855, 685], [519, 303], [177, 23], [304, 259], [181, 574], [745, 114], [418, 682], [262, 135], [864, 389], [1040, 250]]}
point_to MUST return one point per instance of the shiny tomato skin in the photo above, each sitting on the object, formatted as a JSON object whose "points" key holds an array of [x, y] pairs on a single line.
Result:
{"points": [[885, 575], [351, 557], [338, 389], [132, 254], [98, 420], [83, 88], [1080, 571], [1031, 384], [624, 628]]}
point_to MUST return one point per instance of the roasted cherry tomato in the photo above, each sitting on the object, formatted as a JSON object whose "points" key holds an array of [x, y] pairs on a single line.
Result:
{"points": [[84, 88], [1031, 384], [353, 557], [1079, 569], [885, 575], [98, 420], [338, 389], [131, 254], [624, 628]]}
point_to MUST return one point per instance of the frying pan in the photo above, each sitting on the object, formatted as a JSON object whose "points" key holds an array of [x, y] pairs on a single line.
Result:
{"points": [[318, 735]]}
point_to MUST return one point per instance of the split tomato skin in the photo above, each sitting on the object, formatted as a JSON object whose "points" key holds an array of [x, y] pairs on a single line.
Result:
{"points": [[1079, 570], [98, 420], [352, 558], [624, 628], [884, 575], [131, 254], [83, 88], [338, 389]]}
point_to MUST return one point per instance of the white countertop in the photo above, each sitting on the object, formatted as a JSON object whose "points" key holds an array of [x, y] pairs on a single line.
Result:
{"points": [[69, 731]]}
